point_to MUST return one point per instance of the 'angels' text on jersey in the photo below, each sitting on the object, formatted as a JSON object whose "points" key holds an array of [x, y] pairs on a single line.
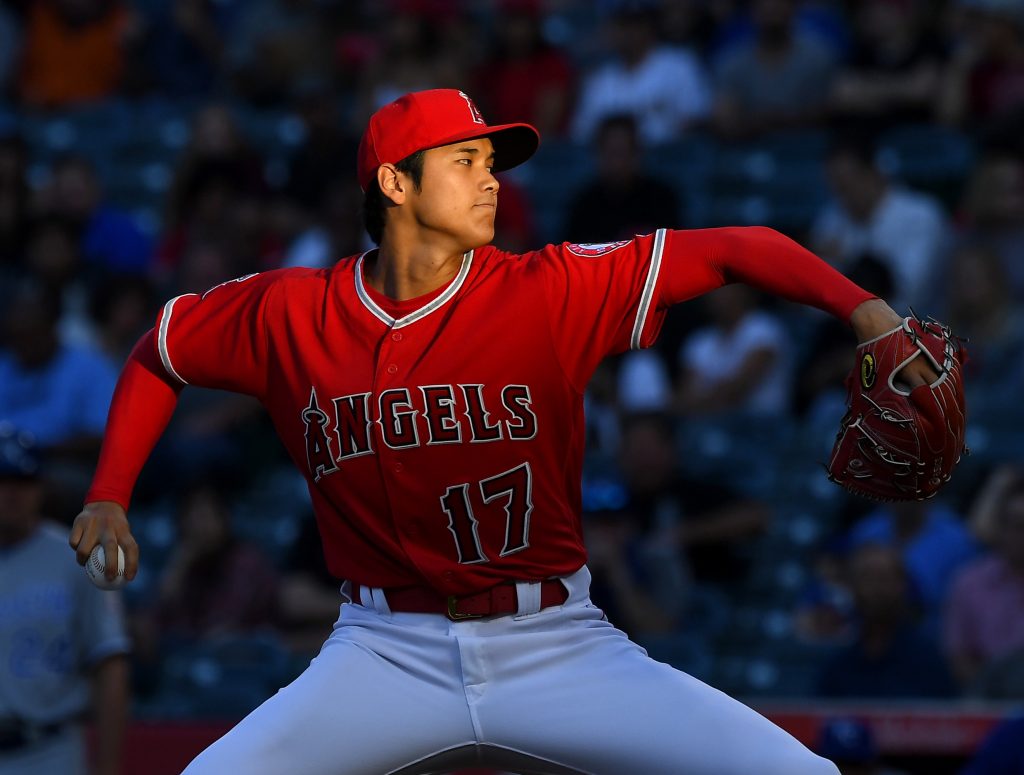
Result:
{"points": [[350, 426]]}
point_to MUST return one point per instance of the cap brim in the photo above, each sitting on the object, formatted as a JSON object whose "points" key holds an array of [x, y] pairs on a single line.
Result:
{"points": [[513, 143]]}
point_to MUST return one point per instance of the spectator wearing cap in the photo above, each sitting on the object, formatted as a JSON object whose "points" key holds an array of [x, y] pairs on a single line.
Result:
{"points": [[63, 645]]}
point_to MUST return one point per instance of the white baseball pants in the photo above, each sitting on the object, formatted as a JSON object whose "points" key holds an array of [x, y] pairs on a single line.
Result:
{"points": [[559, 691]]}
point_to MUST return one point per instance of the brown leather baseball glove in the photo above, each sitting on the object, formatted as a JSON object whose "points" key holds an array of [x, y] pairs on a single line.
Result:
{"points": [[896, 443]]}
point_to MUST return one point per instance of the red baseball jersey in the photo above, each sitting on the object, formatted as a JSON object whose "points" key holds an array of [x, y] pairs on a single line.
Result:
{"points": [[442, 438]]}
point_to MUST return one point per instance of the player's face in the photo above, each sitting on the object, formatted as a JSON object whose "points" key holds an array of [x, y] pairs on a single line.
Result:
{"points": [[458, 196]]}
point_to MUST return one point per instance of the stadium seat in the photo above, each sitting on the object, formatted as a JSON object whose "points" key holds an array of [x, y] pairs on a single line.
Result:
{"points": [[929, 157]]}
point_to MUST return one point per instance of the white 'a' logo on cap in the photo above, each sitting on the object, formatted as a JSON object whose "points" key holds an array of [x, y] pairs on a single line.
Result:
{"points": [[473, 110]]}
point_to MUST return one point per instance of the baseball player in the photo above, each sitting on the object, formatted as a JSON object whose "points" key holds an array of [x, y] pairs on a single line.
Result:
{"points": [[63, 643], [431, 392]]}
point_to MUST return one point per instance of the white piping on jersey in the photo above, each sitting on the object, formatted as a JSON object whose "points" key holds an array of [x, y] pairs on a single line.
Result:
{"points": [[648, 292], [161, 340], [422, 312]]}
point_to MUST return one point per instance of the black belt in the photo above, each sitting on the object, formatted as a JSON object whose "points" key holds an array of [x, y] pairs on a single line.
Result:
{"points": [[17, 733]]}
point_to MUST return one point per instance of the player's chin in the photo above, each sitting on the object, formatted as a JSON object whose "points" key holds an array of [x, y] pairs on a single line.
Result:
{"points": [[482, 233]]}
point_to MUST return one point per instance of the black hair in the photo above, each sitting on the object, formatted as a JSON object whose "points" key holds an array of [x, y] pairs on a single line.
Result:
{"points": [[373, 199], [861, 146]]}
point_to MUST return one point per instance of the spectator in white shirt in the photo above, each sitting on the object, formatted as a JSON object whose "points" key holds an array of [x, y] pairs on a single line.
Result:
{"points": [[664, 88], [739, 363], [904, 229]]}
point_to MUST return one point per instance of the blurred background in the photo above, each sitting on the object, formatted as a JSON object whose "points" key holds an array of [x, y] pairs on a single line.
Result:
{"points": [[158, 147]]}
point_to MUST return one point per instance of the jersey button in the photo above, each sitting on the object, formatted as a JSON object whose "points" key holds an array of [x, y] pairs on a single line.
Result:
{"points": [[448, 575], [396, 337], [392, 369], [398, 468]]}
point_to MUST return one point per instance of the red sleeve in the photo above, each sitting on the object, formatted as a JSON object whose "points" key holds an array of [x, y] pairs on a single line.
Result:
{"points": [[140, 409], [699, 260], [599, 299], [219, 340]]}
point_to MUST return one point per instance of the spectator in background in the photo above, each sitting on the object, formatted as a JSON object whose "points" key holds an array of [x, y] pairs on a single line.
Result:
{"points": [[984, 619], [326, 152], [665, 90], [218, 143], [57, 392], [62, 640], [739, 363], [14, 201], [274, 44], [214, 583], [110, 239], [623, 200], [74, 51], [218, 179], [53, 256], [184, 47], [525, 79], [932, 540], [308, 598], [904, 229], [982, 309], [778, 80], [891, 657], [123, 308], [692, 24], [317, 238], [824, 613], [628, 570], [406, 58], [992, 211], [708, 525], [984, 78], [893, 73]]}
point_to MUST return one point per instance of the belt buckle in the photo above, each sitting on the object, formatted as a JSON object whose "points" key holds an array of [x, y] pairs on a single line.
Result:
{"points": [[455, 615]]}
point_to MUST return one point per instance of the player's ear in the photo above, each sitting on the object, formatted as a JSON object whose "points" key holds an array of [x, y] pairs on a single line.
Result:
{"points": [[392, 184]]}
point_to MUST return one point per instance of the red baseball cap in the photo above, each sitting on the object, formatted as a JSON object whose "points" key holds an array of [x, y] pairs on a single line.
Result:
{"points": [[429, 119]]}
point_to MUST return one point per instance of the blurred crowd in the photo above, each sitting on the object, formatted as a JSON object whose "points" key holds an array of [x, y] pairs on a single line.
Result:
{"points": [[154, 148]]}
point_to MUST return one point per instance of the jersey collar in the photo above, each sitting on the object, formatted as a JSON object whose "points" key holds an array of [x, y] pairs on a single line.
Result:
{"points": [[422, 312]]}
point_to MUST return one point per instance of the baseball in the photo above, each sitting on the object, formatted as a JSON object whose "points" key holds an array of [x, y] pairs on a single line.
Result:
{"points": [[98, 563]]}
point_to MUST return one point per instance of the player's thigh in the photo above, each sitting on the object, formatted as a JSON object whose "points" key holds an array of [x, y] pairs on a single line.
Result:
{"points": [[606, 708], [354, 711]]}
